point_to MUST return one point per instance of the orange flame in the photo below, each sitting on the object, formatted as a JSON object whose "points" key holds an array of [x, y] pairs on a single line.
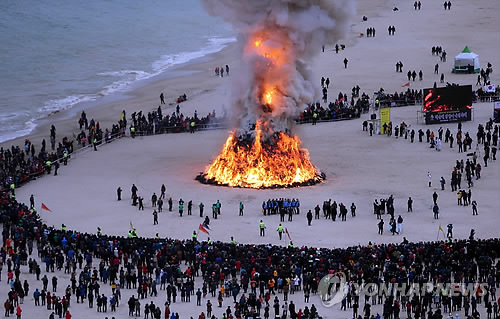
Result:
{"points": [[262, 166], [279, 161], [269, 96]]}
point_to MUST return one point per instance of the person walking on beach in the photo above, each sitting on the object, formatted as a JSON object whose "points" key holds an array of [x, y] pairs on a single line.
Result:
{"points": [[162, 98], [280, 231], [474, 208], [163, 190]]}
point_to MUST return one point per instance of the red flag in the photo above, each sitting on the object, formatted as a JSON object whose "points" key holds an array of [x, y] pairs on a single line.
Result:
{"points": [[45, 207], [201, 228], [407, 84], [286, 230]]}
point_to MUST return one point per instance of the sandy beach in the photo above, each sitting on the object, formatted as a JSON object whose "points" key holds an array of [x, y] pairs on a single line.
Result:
{"points": [[359, 168]]}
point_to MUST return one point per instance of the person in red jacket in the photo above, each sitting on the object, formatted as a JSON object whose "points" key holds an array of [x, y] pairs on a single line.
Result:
{"points": [[18, 312], [68, 315]]}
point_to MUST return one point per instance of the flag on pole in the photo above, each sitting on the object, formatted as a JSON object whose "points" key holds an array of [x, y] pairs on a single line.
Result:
{"points": [[201, 228], [441, 229], [407, 84], [45, 207], [286, 230]]}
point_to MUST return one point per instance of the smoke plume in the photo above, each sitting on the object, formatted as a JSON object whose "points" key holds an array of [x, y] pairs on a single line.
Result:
{"points": [[278, 39]]}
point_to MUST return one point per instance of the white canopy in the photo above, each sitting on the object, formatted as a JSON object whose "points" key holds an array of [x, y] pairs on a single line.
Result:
{"points": [[466, 58]]}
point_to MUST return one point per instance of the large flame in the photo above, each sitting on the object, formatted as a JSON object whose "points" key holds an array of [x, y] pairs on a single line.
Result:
{"points": [[279, 163], [267, 157]]}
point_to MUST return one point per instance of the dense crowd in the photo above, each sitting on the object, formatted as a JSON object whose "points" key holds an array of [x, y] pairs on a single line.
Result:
{"points": [[249, 275], [155, 123], [18, 166], [341, 109], [408, 97], [281, 206]]}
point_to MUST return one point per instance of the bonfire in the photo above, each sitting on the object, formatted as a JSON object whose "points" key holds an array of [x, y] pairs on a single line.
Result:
{"points": [[264, 156]]}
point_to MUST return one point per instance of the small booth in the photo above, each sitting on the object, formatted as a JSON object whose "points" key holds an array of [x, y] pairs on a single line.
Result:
{"points": [[466, 62]]}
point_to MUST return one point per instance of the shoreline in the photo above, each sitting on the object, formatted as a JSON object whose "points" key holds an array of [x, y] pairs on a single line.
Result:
{"points": [[139, 91], [168, 82]]}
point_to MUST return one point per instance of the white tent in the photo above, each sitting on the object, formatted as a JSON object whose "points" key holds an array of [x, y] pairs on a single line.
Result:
{"points": [[467, 62]]}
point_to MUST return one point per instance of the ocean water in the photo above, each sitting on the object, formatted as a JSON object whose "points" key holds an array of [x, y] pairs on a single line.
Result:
{"points": [[54, 54]]}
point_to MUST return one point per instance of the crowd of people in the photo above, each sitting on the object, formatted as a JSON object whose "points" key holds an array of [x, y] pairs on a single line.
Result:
{"points": [[256, 278], [18, 166], [408, 97], [155, 123], [487, 136], [282, 206], [342, 108]]}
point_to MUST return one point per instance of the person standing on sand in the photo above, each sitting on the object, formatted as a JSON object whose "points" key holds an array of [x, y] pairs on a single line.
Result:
{"points": [[154, 199], [381, 227], [134, 190], [155, 217], [32, 201], [141, 203], [435, 210], [162, 98], [170, 204], [201, 209], [181, 207]]}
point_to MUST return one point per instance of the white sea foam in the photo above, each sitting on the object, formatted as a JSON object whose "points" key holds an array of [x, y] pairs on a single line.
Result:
{"points": [[125, 79]]}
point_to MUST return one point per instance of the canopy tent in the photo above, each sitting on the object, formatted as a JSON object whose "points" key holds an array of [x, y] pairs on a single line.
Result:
{"points": [[467, 62]]}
